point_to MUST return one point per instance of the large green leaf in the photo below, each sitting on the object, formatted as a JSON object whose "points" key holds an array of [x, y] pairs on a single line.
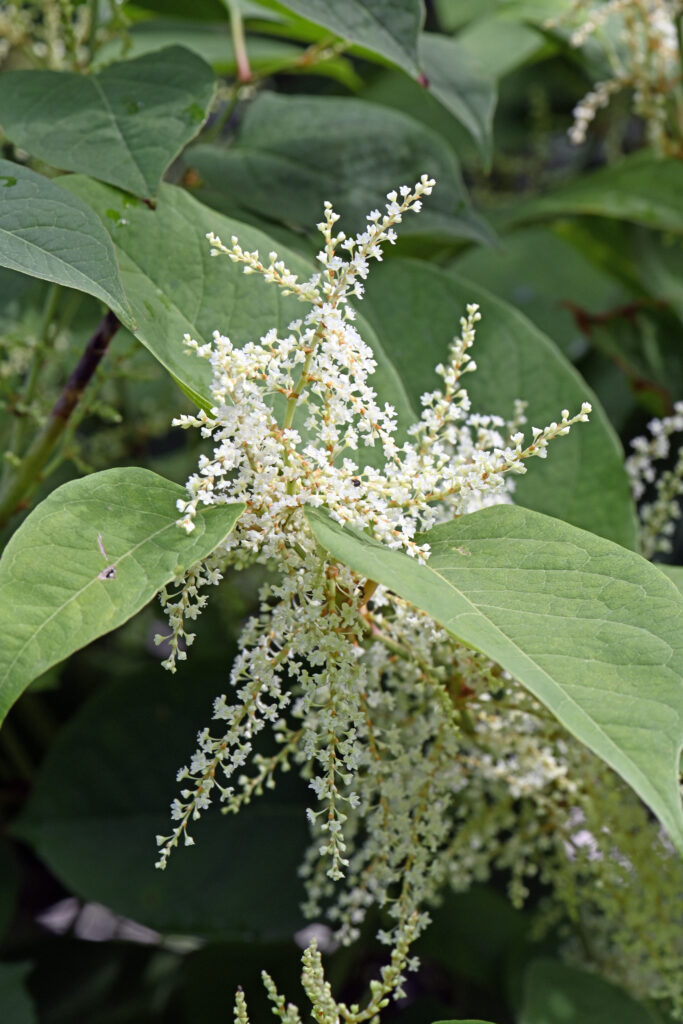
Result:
{"points": [[593, 630], [415, 309], [642, 188], [103, 795], [462, 85], [176, 287], [47, 233], [54, 598], [556, 994], [123, 125], [385, 27], [279, 168]]}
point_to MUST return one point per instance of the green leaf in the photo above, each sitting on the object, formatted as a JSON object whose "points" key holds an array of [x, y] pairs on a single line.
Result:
{"points": [[278, 168], [641, 188], [468, 1021], [555, 994], [47, 233], [659, 264], [473, 933], [176, 287], [388, 28], [53, 597], [213, 43], [583, 479], [463, 86], [123, 125], [674, 573], [523, 271], [502, 43], [15, 1002], [594, 631], [92, 816]]}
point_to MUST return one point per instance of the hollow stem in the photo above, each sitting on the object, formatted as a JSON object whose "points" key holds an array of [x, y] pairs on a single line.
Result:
{"points": [[239, 42]]}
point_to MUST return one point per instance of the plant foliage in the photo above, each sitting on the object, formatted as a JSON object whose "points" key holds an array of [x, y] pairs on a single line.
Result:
{"points": [[414, 552]]}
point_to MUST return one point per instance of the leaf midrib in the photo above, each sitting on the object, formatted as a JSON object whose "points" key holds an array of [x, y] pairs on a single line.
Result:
{"points": [[555, 688], [114, 120], [104, 293]]}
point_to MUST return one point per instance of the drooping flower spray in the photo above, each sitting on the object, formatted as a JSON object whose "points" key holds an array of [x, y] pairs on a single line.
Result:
{"points": [[417, 750]]}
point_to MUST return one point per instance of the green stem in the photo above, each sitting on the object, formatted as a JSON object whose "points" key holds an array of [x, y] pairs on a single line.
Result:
{"points": [[239, 42], [290, 408], [296, 394], [93, 7], [28, 473], [678, 91], [244, 72], [217, 126]]}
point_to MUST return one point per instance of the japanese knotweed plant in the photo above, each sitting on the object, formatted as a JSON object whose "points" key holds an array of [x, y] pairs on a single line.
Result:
{"points": [[428, 764], [640, 42]]}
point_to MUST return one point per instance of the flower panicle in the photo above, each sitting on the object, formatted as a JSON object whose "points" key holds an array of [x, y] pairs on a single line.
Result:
{"points": [[365, 695], [659, 515], [640, 43], [339, 278]]}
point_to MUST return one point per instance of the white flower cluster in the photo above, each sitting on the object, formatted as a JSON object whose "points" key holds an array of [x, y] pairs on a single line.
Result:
{"points": [[640, 42], [53, 32], [380, 708], [324, 1008], [658, 517]]}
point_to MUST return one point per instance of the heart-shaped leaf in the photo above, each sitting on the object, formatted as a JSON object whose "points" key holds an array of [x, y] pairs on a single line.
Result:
{"points": [[123, 125], [278, 168], [385, 27]]}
